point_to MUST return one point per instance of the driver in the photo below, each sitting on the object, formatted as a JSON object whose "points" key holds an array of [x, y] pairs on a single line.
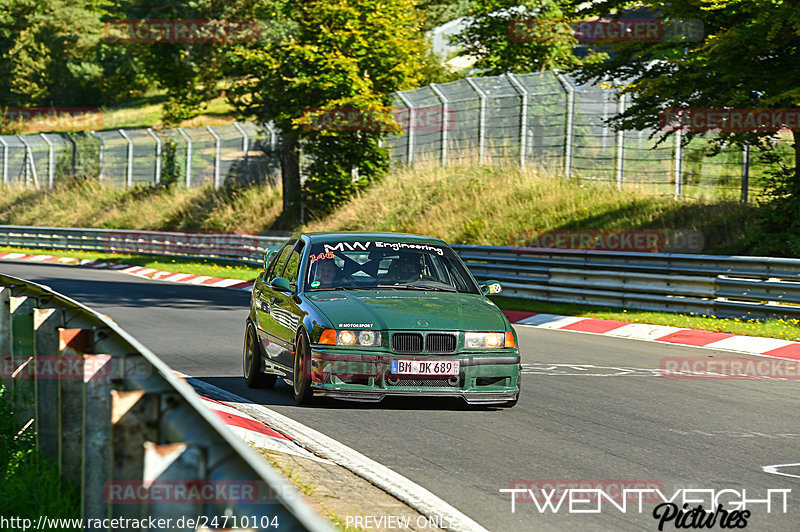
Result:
{"points": [[326, 274], [404, 270]]}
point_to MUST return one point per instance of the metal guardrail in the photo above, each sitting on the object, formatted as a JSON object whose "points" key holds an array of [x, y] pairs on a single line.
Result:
{"points": [[119, 423], [758, 287], [248, 249]]}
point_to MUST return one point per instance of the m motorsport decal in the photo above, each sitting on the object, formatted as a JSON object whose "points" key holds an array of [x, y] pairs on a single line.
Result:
{"points": [[355, 325]]}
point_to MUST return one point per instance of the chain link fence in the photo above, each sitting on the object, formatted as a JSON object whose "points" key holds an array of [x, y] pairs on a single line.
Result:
{"points": [[549, 122], [545, 121], [235, 153]]}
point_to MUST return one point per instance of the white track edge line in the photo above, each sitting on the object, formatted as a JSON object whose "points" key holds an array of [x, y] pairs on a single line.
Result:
{"points": [[666, 343], [381, 476]]}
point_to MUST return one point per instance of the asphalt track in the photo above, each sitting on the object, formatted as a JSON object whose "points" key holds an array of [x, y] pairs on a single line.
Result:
{"points": [[592, 422]]}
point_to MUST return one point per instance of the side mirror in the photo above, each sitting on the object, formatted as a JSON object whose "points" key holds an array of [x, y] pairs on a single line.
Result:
{"points": [[282, 284], [491, 287]]}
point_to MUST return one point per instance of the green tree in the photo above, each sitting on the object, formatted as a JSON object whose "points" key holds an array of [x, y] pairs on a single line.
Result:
{"points": [[747, 59], [521, 36], [334, 55]]}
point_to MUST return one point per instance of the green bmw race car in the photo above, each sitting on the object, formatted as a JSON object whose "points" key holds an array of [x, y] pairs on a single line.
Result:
{"points": [[359, 316]]}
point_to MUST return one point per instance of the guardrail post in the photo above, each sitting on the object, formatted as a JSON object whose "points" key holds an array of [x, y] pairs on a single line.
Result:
{"points": [[410, 133], [22, 346], [745, 172], [620, 144], [129, 174], [523, 117], [29, 164], [570, 123], [5, 159], [445, 111], [101, 154], [48, 369], [678, 165], [158, 154], [188, 156], [51, 164], [481, 120], [173, 463], [218, 145], [134, 417], [245, 147], [96, 433]]}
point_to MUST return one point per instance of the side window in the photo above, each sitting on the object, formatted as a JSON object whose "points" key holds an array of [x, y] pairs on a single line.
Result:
{"points": [[283, 258], [293, 266], [272, 260]]}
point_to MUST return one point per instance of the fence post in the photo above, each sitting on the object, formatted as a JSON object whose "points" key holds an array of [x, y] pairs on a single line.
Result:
{"points": [[245, 147], [445, 111], [29, 162], [5, 159], [188, 156], [523, 118], [74, 152], [481, 120], [570, 123], [410, 133], [678, 165], [158, 154], [620, 144], [102, 153], [745, 172], [129, 174], [216, 155], [51, 166]]}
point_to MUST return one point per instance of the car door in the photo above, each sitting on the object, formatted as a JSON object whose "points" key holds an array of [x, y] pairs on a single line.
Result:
{"points": [[285, 310], [269, 329]]}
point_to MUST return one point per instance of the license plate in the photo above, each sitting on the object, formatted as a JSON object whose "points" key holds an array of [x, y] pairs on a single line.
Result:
{"points": [[425, 367]]}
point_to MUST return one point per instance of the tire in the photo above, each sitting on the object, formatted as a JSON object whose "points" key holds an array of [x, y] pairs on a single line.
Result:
{"points": [[301, 371], [251, 362]]}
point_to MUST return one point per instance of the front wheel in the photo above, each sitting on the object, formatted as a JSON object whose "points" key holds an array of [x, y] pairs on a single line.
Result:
{"points": [[251, 362], [301, 378]]}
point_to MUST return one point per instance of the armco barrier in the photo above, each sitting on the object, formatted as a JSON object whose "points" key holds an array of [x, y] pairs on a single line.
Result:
{"points": [[118, 422], [758, 287], [238, 248]]}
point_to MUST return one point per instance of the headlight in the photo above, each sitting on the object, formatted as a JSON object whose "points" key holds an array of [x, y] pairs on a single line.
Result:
{"points": [[484, 340], [348, 337]]}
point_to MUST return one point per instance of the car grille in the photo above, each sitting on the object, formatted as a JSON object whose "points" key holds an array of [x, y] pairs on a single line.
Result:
{"points": [[429, 383], [440, 343], [407, 342], [432, 343]]}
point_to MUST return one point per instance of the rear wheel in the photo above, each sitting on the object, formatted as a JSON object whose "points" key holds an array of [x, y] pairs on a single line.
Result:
{"points": [[251, 362], [301, 378]]}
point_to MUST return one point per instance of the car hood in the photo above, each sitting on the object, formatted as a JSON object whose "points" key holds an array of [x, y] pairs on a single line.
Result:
{"points": [[395, 309]]}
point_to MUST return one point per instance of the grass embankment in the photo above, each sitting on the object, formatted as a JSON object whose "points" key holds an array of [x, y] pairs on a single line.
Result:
{"points": [[474, 205], [30, 486]]}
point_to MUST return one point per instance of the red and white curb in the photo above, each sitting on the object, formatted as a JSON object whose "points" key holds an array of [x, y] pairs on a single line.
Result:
{"points": [[750, 345], [140, 271], [255, 432]]}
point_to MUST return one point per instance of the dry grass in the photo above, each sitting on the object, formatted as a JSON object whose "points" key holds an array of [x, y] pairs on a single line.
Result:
{"points": [[488, 205], [90, 204]]}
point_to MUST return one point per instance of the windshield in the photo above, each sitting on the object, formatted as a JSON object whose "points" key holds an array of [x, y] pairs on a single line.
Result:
{"points": [[370, 264]]}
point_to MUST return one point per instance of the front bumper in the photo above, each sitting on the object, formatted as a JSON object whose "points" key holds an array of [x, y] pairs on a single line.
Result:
{"points": [[356, 376]]}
